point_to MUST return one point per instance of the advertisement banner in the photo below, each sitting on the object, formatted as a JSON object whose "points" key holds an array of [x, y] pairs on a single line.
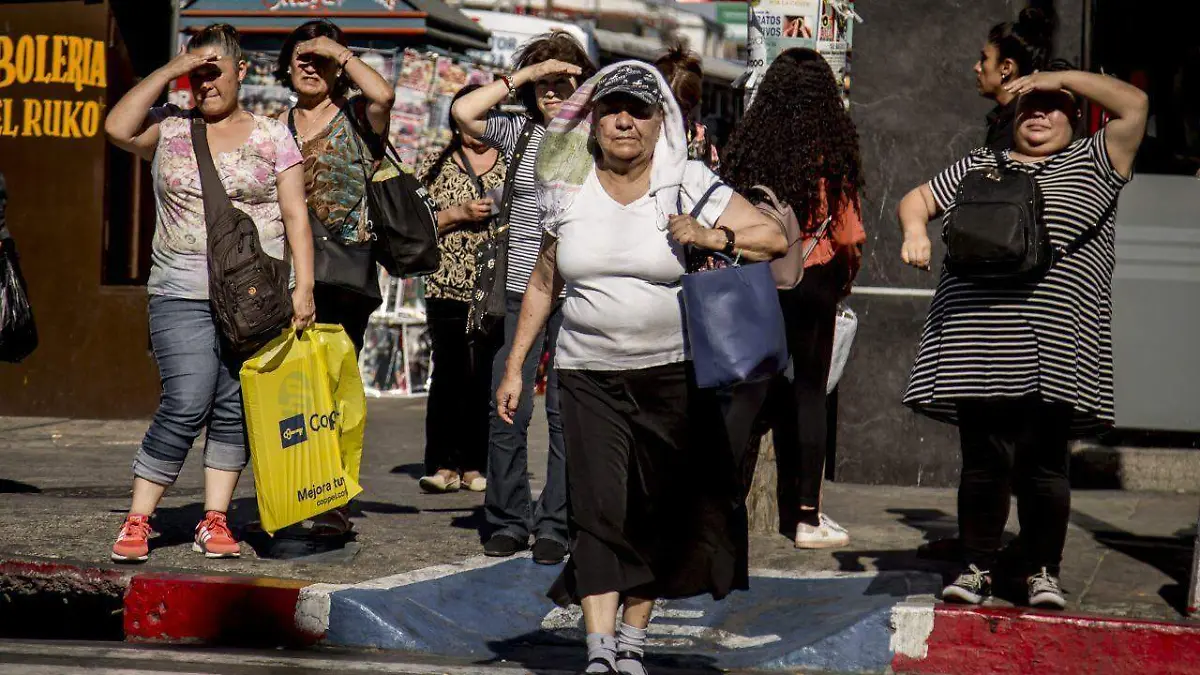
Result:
{"points": [[776, 26]]}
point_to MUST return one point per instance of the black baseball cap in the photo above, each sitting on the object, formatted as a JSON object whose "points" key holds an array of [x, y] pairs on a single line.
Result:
{"points": [[639, 83]]}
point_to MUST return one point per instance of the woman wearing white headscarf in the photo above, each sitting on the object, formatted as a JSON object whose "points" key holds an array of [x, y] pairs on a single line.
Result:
{"points": [[653, 512]]}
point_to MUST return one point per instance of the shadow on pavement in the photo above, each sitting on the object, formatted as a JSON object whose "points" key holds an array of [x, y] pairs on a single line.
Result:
{"points": [[532, 652], [1170, 555], [414, 471], [9, 487]]}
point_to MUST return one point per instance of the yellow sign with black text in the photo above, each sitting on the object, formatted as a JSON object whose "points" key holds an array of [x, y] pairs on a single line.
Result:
{"points": [[52, 60]]}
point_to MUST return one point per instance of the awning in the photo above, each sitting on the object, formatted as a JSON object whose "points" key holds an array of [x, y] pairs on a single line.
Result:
{"points": [[403, 20], [649, 49]]}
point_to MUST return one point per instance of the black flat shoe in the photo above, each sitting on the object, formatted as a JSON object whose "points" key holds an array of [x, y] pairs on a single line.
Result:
{"points": [[503, 546], [548, 552]]}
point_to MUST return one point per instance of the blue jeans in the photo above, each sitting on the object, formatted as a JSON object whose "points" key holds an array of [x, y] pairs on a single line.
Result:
{"points": [[200, 387], [508, 501]]}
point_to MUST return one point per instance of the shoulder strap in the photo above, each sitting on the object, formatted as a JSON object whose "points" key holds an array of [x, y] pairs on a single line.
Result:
{"points": [[466, 164], [513, 166], [700, 203], [1087, 236], [216, 201], [292, 124]]}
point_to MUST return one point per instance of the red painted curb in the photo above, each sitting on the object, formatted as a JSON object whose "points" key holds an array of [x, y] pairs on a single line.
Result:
{"points": [[245, 611], [996, 641]]}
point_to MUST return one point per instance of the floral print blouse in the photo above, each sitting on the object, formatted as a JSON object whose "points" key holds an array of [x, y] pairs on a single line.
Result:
{"points": [[455, 279], [179, 253]]}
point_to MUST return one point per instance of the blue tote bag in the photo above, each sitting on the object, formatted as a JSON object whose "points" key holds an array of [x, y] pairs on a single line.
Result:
{"points": [[734, 323]]}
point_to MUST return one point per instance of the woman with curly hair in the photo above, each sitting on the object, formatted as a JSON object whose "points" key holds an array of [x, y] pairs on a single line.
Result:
{"points": [[819, 174]]}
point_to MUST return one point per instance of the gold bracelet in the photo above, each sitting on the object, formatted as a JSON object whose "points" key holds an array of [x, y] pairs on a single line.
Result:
{"points": [[345, 57]]}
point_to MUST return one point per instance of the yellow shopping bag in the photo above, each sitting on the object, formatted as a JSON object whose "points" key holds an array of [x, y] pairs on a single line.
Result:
{"points": [[295, 425], [346, 382]]}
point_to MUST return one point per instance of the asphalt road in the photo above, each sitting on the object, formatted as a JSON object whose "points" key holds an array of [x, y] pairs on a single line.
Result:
{"points": [[115, 658]]}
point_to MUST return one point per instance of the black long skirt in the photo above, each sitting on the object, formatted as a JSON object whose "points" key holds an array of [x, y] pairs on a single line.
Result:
{"points": [[654, 493]]}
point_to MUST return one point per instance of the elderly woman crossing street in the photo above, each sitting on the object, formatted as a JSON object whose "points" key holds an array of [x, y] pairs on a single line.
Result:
{"points": [[652, 509]]}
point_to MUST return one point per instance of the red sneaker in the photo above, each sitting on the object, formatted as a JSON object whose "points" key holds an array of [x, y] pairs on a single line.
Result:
{"points": [[133, 542], [214, 539]]}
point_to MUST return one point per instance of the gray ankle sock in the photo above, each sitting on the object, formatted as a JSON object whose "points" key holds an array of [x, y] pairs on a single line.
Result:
{"points": [[601, 647], [633, 640]]}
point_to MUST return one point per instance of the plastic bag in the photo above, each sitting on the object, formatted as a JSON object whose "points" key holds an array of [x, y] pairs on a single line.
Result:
{"points": [[844, 329], [305, 441], [18, 333]]}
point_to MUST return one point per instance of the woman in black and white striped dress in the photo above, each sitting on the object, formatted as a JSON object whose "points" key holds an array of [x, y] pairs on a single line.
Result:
{"points": [[1024, 367]]}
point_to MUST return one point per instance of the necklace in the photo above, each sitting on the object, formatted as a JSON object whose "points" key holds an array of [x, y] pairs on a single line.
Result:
{"points": [[315, 113]]}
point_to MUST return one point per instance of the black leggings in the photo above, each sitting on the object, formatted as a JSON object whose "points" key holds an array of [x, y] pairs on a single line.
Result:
{"points": [[1020, 447], [456, 418], [798, 408]]}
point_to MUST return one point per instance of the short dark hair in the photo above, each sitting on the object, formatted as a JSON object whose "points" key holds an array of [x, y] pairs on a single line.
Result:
{"points": [[558, 46], [220, 35], [307, 31]]}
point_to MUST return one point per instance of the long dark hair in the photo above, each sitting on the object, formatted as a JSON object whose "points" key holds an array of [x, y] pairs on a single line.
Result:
{"points": [[308, 31], [455, 139], [797, 137], [1029, 40], [559, 46]]}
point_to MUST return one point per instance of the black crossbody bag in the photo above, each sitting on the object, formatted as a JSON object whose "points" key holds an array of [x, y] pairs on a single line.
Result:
{"points": [[997, 231], [488, 300], [348, 266]]}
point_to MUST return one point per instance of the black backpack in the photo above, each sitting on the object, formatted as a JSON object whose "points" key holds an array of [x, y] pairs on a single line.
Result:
{"points": [[248, 289], [996, 231]]}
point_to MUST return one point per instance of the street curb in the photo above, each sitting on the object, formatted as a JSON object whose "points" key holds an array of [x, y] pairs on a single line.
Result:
{"points": [[1002, 641], [234, 611], [922, 638]]}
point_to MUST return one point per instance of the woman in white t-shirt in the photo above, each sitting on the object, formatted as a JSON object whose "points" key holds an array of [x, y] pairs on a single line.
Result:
{"points": [[653, 514]]}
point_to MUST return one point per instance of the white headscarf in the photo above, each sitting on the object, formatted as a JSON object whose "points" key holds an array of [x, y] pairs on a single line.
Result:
{"points": [[565, 161]]}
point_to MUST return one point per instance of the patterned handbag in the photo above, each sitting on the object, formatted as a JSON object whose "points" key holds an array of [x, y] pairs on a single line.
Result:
{"points": [[488, 301]]}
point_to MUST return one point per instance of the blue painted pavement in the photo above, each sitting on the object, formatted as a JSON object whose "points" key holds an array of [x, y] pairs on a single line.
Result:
{"points": [[823, 622]]}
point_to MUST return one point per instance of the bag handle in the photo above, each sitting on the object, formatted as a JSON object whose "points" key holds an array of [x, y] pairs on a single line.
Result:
{"points": [[501, 232], [216, 200]]}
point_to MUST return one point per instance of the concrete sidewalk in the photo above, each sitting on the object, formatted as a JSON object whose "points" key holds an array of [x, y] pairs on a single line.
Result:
{"points": [[64, 487]]}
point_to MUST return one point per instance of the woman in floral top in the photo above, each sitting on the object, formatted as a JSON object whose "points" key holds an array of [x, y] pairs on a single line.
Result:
{"points": [[259, 166], [461, 179], [315, 63]]}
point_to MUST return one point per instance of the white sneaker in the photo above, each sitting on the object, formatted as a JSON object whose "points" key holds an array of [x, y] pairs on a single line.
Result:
{"points": [[827, 534]]}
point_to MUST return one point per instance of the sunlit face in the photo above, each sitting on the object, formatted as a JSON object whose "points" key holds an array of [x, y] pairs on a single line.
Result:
{"points": [[991, 73], [627, 128], [215, 85], [1045, 122], [313, 76], [552, 92]]}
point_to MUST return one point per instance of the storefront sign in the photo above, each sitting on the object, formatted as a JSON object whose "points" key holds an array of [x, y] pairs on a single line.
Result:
{"points": [[51, 60]]}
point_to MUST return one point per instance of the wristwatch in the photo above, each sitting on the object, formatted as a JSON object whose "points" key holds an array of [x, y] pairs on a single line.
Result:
{"points": [[729, 240]]}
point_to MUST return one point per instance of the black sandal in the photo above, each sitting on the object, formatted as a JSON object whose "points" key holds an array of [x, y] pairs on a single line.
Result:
{"points": [[608, 668], [629, 656]]}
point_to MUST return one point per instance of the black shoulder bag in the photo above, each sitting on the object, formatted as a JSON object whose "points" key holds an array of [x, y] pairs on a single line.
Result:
{"points": [[400, 213], [348, 266], [488, 301], [248, 289]]}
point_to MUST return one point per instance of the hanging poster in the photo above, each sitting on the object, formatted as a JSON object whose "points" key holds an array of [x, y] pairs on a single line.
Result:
{"points": [[775, 26]]}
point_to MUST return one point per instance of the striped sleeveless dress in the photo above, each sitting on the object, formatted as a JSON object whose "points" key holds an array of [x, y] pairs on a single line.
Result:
{"points": [[1051, 338]]}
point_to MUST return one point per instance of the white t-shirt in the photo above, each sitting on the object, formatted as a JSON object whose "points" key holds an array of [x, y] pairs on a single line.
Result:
{"points": [[622, 309]]}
